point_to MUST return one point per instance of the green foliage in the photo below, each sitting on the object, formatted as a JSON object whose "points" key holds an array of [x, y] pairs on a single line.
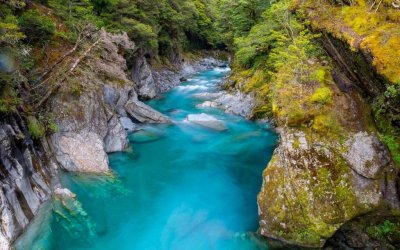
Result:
{"points": [[322, 95], [319, 75], [75, 12], [35, 127], [9, 99], [385, 229], [386, 117], [393, 144], [36, 26], [142, 34], [10, 32], [236, 18]]}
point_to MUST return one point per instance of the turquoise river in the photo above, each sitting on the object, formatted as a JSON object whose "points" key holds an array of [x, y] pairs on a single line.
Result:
{"points": [[179, 186]]}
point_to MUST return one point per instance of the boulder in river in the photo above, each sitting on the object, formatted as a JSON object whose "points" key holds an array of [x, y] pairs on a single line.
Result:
{"points": [[208, 96], [208, 104], [144, 113], [207, 121]]}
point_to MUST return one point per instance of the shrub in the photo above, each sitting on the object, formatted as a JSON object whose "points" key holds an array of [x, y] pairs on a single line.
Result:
{"points": [[9, 99], [385, 229], [36, 129], [319, 75], [393, 144], [36, 26], [322, 95]]}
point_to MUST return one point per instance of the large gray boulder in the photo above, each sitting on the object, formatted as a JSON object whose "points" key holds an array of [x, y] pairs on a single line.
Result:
{"points": [[81, 152], [144, 113]]}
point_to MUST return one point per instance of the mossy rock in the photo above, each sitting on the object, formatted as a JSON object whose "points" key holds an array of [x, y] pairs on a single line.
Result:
{"points": [[309, 191]]}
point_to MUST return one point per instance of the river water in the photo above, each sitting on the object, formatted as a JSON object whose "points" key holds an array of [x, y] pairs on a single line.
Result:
{"points": [[179, 186]]}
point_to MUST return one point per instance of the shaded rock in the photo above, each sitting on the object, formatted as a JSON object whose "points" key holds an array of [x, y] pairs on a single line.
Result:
{"points": [[144, 113], [151, 82], [142, 75], [207, 121], [25, 179], [116, 139], [127, 124]]}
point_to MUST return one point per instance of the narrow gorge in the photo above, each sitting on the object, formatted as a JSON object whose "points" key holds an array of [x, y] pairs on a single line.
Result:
{"points": [[199, 124]]}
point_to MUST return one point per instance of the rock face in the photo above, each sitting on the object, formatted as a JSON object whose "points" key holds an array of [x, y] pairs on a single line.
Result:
{"points": [[95, 106], [143, 76], [25, 179], [367, 155]]}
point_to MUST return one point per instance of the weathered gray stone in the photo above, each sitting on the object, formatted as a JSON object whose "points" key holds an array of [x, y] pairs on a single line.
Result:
{"points": [[367, 155], [81, 152], [127, 124], [237, 103], [144, 113], [116, 139], [142, 75]]}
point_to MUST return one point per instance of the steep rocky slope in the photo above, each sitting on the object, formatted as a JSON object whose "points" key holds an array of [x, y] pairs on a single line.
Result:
{"points": [[26, 178]]}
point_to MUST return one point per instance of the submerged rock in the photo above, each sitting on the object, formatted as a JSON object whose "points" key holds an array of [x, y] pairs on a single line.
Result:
{"points": [[71, 219], [207, 121], [146, 135]]}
